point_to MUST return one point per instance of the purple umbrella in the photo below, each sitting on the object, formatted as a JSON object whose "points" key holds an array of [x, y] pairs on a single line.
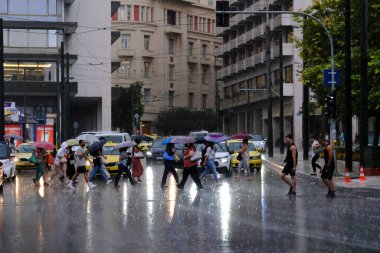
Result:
{"points": [[183, 139], [215, 137], [240, 136], [126, 144]]}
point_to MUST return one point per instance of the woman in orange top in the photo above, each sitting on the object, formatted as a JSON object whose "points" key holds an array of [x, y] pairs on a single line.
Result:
{"points": [[190, 168]]}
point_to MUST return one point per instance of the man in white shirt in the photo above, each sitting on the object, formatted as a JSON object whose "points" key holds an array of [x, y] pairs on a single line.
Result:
{"points": [[80, 164], [316, 147]]}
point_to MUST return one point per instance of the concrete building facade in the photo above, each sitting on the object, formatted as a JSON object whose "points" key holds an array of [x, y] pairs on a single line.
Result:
{"points": [[33, 32], [244, 66], [169, 45]]}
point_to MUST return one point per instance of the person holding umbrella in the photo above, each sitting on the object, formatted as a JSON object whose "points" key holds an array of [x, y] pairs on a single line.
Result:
{"points": [[38, 160], [96, 152], [124, 162], [244, 158], [209, 156], [60, 162], [12, 145], [169, 164], [190, 168]]}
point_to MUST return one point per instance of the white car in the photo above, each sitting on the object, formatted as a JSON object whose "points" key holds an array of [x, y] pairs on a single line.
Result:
{"points": [[222, 158], [9, 166], [114, 137]]}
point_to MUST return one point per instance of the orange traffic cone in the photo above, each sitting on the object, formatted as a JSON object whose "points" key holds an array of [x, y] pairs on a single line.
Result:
{"points": [[347, 179], [362, 177]]}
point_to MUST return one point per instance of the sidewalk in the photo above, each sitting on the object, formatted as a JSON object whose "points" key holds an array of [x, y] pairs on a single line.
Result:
{"points": [[304, 169]]}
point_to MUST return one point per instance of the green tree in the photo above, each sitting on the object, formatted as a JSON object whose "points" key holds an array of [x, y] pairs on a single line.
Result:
{"points": [[315, 50], [126, 106], [180, 121]]}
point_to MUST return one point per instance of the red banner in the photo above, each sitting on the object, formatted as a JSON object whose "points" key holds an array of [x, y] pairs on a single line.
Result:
{"points": [[45, 133]]}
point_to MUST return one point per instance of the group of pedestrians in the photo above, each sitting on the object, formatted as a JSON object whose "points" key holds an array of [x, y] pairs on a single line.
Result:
{"points": [[326, 172]]}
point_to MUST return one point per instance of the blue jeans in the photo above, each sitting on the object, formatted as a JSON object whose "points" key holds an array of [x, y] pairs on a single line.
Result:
{"points": [[210, 165], [93, 172]]}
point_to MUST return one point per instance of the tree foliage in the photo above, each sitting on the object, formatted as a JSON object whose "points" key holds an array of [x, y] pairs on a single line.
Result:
{"points": [[126, 106], [180, 121], [315, 50]]}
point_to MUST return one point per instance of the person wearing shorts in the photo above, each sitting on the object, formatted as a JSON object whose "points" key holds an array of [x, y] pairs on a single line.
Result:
{"points": [[80, 164], [328, 169], [60, 162], [290, 164]]}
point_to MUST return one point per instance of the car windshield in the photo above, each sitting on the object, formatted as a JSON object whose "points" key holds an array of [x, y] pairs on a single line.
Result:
{"points": [[257, 137], [25, 149], [112, 138], [235, 146], [4, 153], [110, 151], [157, 144]]}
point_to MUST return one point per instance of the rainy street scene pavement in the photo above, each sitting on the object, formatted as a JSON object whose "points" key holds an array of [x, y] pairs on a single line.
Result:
{"points": [[238, 215]]}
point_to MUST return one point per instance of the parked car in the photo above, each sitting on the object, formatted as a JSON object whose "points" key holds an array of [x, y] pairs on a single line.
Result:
{"points": [[259, 142], [114, 137], [255, 156], [223, 158], [9, 167], [23, 153], [157, 150]]}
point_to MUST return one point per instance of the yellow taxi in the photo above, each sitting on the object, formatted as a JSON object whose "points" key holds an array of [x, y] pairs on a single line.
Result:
{"points": [[23, 153], [255, 156], [111, 160], [145, 145]]}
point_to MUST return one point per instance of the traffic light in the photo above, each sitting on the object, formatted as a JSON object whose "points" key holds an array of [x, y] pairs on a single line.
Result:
{"points": [[222, 19], [330, 106]]}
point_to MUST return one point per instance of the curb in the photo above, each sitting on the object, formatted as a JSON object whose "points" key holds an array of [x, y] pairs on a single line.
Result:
{"points": [[358, 190]]}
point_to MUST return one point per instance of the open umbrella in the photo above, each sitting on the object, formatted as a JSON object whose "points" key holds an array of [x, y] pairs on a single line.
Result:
{"points": [[72, 142], [167, 141], [88, 138], [142, 138], [96, 146], [14, 136], [215, 137], [125, 144], [44, 145], [240, 136], [183, 139]]}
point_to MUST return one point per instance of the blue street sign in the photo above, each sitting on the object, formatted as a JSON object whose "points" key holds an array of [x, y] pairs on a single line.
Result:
{"points": [[327, 77]]}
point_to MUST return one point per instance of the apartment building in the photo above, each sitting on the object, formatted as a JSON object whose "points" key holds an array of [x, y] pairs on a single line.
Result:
{"points": [[244, 67], [33, 32], [169, 45]]}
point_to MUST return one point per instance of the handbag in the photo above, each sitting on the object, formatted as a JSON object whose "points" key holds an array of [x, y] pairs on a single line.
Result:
{"points": [[139, 155], [239, 157], [196, 156]]}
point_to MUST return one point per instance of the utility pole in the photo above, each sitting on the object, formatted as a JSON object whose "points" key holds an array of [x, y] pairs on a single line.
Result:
{"points": [[347, 81], [2, 118], [269, 91], [67, 97], [363, 80], [282, 134], [62, 95]]}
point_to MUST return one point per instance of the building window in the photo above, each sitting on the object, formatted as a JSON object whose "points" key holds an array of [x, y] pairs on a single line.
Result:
{"points": [[204, 75], [142, 13], [146, 96], [204, 51], [260, 81], [171, 17], [190, 100], [146, 42], [126, 41], [191, 74], [171, 46], [122, 12], [191, 23], [171, 73], [148, 14], [146, 69], [129, 12], [277, 77], [195, 23], [136, 12], [191, 46], [289, 37], [171, 98], [30, 71], [209, 2], [204, 101], [126, 68], [289, 74]]}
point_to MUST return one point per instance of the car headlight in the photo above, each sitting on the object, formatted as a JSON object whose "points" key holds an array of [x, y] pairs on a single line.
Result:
{"points": [[16, 159], [148, 153], [257, 157], [224, 159]]}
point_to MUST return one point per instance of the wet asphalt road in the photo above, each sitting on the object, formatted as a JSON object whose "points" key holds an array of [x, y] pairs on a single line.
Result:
{"points": [[239, 216]]}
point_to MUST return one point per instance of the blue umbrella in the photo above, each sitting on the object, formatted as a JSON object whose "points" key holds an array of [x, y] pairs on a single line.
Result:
{"points": [[167, 141], [215, 137]]}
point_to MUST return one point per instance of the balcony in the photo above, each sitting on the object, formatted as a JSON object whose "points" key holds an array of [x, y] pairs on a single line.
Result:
{"points": [[288, 90], [192, 59], [249, 62], [206, 61], [67, 27], [17, 88], [258, 32], [218, 63], [242, 40], [233, 44], [126, 52], [173, 30], [259, 58], [219, 51], [219, 74], [287, 50], [281, 20], [232, 69], [241, 65]]}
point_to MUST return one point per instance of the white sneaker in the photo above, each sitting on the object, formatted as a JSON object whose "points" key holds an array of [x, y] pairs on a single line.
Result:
{"points": [[91, 185], [109, 181], [70, 185]]}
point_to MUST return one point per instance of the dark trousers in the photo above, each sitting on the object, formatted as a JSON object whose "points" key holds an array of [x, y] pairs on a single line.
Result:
{"points": [[122, 169], [314, 163], [70, 172], [192, 171], [169, 168]]}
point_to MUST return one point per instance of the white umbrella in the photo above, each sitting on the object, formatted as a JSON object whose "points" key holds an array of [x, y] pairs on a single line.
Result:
{"points": [[88, 138], [126, 144]]}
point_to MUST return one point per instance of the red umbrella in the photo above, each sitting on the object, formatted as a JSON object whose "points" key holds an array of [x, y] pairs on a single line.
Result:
{"points": [[43, 144], [240, 136]]}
